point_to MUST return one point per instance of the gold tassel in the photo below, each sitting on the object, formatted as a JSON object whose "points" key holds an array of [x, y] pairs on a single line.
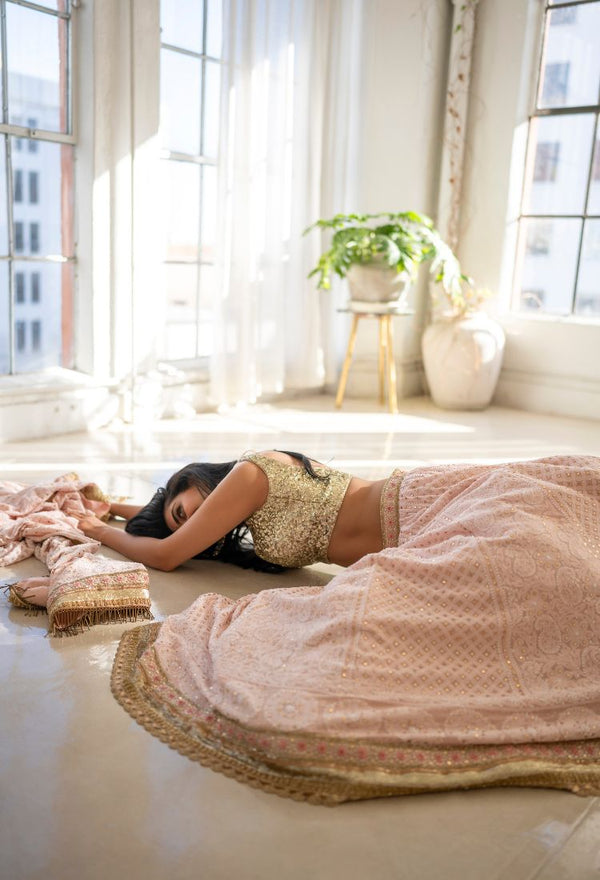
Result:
{"points": [[70, 623]]}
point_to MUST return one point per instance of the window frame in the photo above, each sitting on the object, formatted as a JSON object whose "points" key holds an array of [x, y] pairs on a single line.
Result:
{"points": [[32, 136], [200, 160], [537, 112]]}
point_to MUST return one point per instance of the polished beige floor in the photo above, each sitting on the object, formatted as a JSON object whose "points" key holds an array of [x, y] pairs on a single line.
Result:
{"points": [[86, 793]]}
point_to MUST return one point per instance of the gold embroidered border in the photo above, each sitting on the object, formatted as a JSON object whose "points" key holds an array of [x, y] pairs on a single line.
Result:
{"points": [[327, 783], [389, 513]]}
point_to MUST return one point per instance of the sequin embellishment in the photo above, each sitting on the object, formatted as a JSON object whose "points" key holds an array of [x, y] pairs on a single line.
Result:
{"points": [[294, 525]]}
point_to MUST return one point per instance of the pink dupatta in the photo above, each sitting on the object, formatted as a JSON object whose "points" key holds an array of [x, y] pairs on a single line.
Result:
{"points": [[84, 588]]}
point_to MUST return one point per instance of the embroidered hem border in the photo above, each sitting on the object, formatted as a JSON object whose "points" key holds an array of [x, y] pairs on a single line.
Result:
{"points": [[78, 609], [389, 509], [329, 771]]}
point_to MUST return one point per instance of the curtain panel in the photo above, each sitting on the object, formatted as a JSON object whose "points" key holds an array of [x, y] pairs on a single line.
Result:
{"points": [[288, 136]]}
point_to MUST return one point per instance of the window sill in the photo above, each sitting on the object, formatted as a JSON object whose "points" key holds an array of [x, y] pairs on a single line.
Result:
{"points": [[569, 320], [51, 383]]}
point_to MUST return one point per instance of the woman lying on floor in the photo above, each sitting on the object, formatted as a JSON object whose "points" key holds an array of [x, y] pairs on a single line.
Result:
{"points": [[460, 646]]}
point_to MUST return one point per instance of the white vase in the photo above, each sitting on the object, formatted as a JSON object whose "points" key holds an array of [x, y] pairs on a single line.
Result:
{"points": [[373, 283], [462, 359]]}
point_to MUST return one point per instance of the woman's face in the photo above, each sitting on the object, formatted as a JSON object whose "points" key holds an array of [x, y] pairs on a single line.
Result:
{"points": [[179, 509]]}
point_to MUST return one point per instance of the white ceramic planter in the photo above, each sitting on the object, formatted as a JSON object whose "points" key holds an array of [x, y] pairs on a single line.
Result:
{"points": [[462, 359], [371, 283]]}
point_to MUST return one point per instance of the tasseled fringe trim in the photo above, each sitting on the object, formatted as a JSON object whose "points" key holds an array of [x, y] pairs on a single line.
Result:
{"points": [[74, 621], [71, 623], [16, 600]]}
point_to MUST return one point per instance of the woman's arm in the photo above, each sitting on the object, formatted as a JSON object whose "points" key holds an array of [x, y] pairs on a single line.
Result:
{"points": [[242, 492], [125, 511]]}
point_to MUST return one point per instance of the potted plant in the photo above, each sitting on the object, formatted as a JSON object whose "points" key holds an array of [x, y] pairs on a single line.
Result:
{"points": [[381, 253]]}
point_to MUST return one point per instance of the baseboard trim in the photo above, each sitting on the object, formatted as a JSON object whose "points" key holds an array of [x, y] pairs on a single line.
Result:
{"points": [[561, 395], [363, 379]]}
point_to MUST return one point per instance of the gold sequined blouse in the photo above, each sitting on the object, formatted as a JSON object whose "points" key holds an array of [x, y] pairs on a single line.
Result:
{"points": [[294, 525]]}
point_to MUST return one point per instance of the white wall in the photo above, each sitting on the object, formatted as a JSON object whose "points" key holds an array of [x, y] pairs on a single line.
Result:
{"points": [[405, 56]]}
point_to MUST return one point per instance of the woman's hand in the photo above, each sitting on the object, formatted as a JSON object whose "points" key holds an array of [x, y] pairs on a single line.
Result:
{"points": [[91, 526]]}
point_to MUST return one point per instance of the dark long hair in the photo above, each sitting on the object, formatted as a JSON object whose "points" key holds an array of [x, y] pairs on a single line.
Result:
{"points": [[236, 546]]}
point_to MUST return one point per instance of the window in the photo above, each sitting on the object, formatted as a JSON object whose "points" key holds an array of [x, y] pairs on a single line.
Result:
{"points": [[556, 83], [36, 335], [539, 238], [596, 166], [557, 269], [36, 126], [32, 144], [20, 335], [34, 237], [20, 287], [19, 237], [532, 300], [546, 161], [18, 193], [35, 287], [566, 15], [189, 123], [33, 187]]}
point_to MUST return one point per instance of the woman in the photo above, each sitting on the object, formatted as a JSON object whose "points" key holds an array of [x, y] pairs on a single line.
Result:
{"points": [[460, 647], [204, 509]]}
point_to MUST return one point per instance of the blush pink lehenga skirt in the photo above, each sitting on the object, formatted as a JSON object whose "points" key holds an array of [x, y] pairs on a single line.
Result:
{"points": [[465, 654]]}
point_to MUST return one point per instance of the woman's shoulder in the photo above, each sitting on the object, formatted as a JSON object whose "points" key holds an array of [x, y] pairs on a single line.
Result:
{"points": [[270, 455]]}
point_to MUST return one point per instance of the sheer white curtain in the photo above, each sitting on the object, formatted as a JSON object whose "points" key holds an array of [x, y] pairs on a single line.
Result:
{"points": [[287, 157]]}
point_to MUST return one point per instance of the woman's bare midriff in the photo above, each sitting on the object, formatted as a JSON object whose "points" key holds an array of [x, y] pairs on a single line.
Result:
{"points": [[357, 530]]}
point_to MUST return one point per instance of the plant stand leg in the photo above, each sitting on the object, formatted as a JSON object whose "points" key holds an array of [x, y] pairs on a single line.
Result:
{"points": [[347, 361], [391, 363], [382, 358]]}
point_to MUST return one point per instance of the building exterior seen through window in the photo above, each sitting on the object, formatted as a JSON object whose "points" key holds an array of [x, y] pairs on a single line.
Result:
{"points": [[558, 254], [36, 187], [190, 75]]}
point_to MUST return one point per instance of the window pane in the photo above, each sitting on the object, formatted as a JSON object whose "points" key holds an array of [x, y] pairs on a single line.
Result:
{"points": [[3, 200], [43, 322], [209, 213], [548, 261], [36, 287], [44, 227], [4, 340], [18, 185], [181, 78], [182, 196], [19, 287], [208, 289], [207, 298], [212, 98], [594, 197], [33, 187], [570, 74], [180, 341], [37, 63], [181, 23], [206, 336], [588, 285], [214, 29], [181, 286], [558, 164]]}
